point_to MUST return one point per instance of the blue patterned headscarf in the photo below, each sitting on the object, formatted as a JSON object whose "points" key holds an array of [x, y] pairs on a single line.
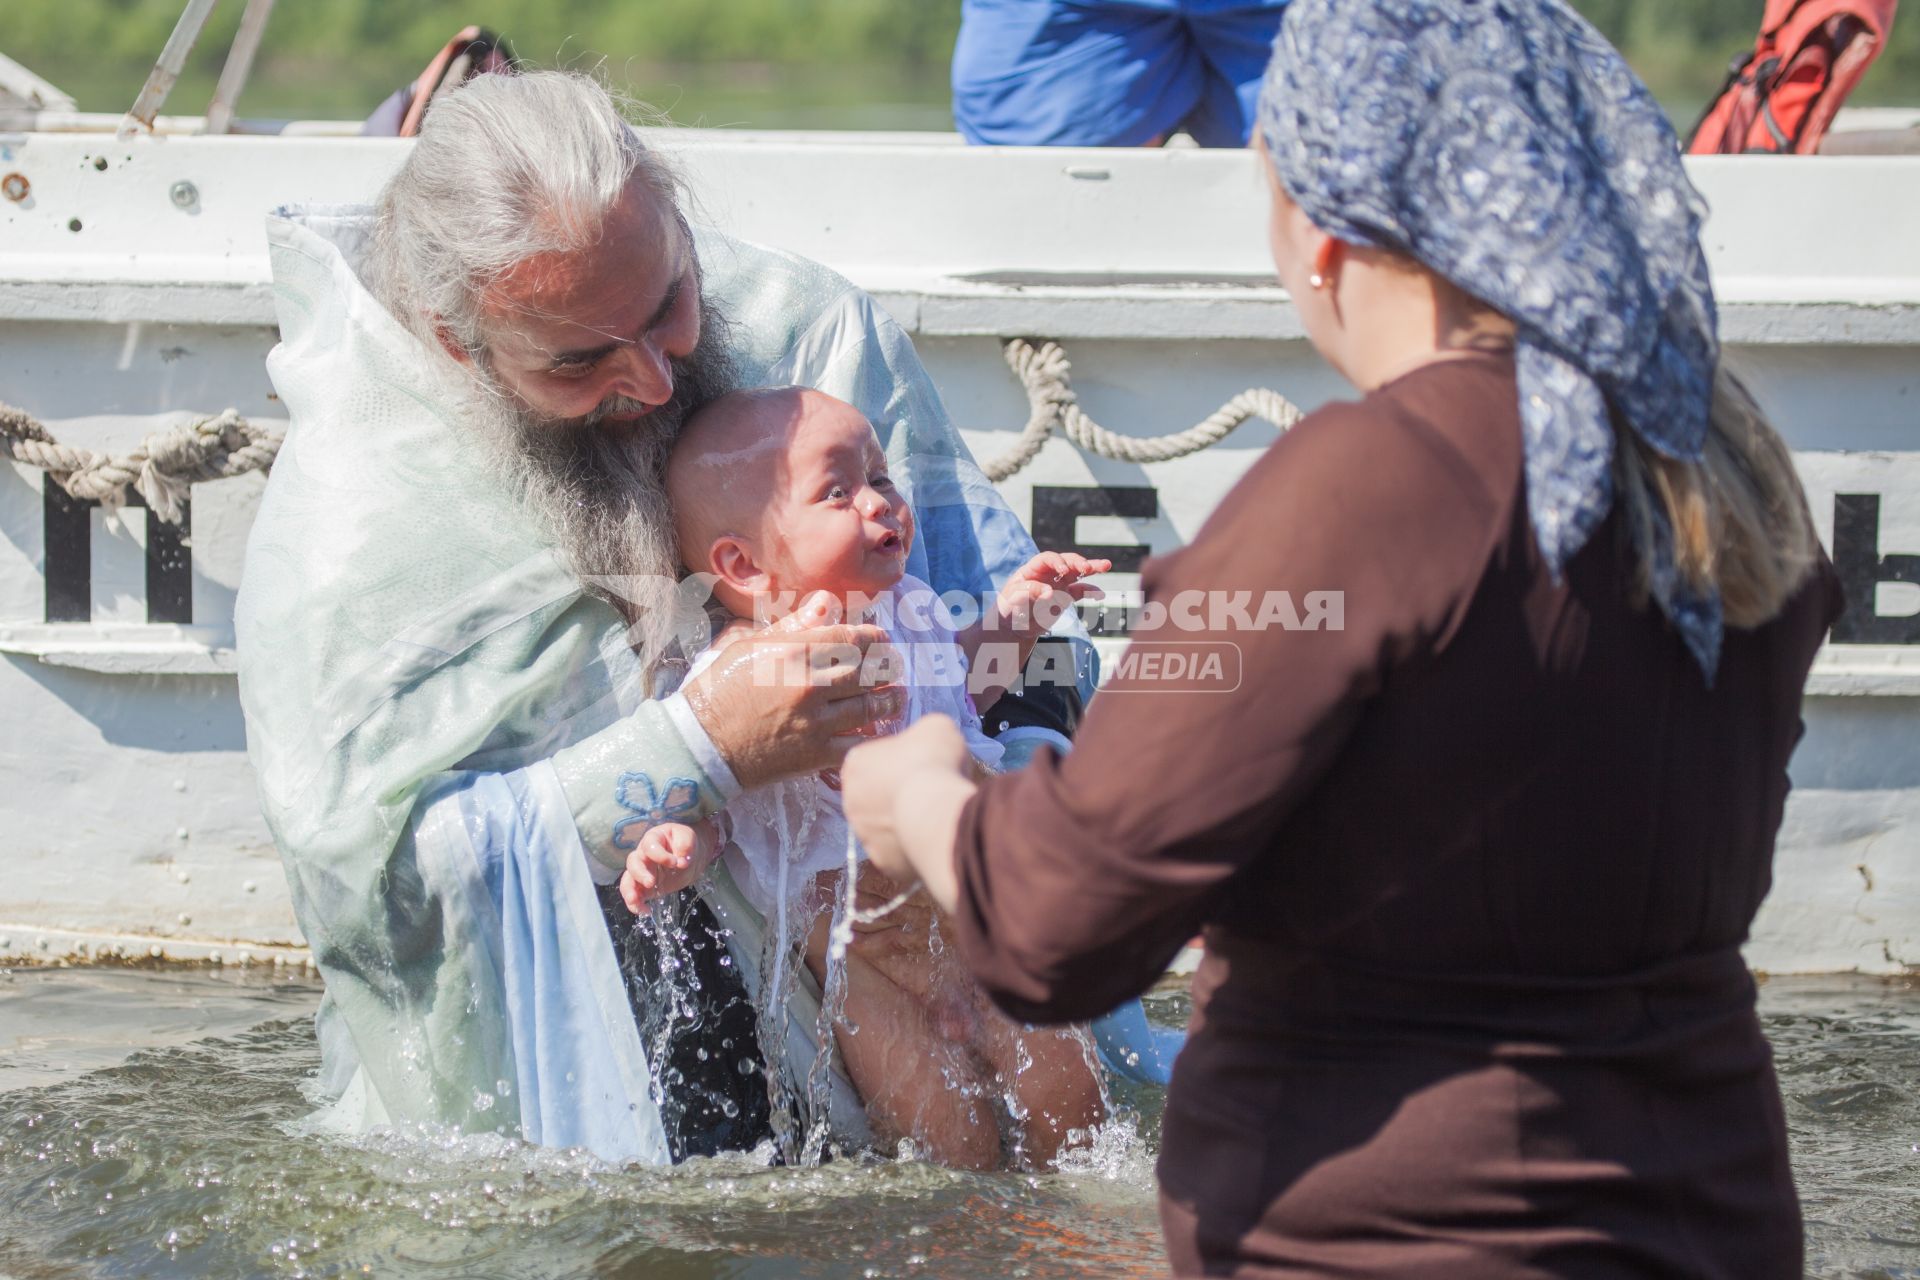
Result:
{"points": [[1505, 145]]}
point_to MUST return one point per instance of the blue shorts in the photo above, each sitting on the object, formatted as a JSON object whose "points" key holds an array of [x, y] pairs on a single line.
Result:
{"points": [[1119, 73]]}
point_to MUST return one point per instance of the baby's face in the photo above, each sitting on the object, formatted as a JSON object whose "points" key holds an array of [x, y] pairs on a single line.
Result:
{"points": [[838, 525]]}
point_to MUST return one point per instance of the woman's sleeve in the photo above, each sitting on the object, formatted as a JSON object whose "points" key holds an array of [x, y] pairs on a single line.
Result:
{"points": [[1346, 552]]}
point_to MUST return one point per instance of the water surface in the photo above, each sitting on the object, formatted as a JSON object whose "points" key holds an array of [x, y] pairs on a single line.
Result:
{"points": [[143, 1132]]}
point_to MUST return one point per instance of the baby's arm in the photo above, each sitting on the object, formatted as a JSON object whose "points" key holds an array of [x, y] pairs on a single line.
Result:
{"points": [[1031, 602], [669, 857]]}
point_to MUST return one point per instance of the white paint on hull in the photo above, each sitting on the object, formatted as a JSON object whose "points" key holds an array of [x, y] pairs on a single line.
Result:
{"points": [[130, 812]]}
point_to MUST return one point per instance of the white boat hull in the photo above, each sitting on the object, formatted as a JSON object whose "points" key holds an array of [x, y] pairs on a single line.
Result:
{"points": [[131, 820]]}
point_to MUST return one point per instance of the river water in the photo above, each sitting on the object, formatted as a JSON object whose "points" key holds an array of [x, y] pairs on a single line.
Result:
{"points": [[143, 1132]]}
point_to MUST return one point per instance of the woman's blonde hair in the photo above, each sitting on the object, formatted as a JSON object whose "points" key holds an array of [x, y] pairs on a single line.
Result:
{"points": [[1739, 517]]}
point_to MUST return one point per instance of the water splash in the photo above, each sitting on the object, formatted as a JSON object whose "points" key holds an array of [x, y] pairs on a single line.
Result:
{"points": [[793, 1117], [848, 915], [178, 1162], [691, 1034], [674, 1007]]}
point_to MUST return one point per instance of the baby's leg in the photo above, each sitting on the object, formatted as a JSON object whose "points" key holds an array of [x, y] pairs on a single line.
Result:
{"points": [[1048, 1078], [915, 1084]]}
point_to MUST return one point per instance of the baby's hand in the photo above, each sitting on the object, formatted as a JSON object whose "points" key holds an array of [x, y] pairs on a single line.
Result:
{"points": [[1046, 587], [669, 857]]}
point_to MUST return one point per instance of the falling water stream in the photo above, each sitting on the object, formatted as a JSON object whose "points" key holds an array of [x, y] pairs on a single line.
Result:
{"points": [[804, 857]]}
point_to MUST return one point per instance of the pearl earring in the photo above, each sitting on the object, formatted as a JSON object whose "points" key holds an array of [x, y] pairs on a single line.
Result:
{"points": [[1317, 280]]}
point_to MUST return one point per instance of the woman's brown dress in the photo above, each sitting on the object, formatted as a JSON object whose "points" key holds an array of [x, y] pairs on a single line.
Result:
{"points": [[1474, 871]]}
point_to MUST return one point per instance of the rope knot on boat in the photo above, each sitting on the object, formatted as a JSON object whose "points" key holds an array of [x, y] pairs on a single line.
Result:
{"points": [[162, 470], [165, 466], [1046, 374]]}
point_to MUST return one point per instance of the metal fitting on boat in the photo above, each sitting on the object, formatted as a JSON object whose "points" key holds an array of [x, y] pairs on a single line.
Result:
{"points": [[15, 187], [184, 195]]}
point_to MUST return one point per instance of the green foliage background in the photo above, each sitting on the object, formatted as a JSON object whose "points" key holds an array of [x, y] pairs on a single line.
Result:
{"points": [[763, 63]]}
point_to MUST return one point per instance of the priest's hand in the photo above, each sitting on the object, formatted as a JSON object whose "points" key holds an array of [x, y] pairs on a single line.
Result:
{"points": [[793, 698]]}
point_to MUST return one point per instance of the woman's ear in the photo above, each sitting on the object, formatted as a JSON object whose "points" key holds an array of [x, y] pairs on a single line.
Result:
{"points": [[1325, 254]]}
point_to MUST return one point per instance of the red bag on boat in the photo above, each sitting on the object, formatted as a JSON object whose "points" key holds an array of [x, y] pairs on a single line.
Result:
{"points": [[1782, 96], [475, 51]]}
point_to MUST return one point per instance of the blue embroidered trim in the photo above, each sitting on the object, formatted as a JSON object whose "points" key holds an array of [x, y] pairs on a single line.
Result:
{"points": [[682, 798]]}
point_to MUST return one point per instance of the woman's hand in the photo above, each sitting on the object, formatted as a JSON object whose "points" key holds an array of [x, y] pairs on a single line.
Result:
{"points": [[903, 794], [788, 700]]}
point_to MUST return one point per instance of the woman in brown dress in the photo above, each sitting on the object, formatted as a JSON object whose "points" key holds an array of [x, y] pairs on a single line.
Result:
{"points": [[1475, 841]]}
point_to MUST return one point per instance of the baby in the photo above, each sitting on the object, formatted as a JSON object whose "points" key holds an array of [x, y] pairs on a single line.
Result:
{"points": [[782, 494]]}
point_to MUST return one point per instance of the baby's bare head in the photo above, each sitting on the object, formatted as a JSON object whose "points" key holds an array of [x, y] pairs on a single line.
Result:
{"points": [[785, 491], [728, 465]]}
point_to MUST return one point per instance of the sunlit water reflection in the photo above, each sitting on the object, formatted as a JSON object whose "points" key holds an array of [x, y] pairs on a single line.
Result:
{"points": [[176, 1162]]}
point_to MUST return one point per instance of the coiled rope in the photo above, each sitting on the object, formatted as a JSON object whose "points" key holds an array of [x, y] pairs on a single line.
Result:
{"points": [[168, 463], [1046, 374], [161, 470]]}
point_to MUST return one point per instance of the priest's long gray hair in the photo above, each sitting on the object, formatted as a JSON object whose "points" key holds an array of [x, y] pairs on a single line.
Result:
{"points": [[508, 167]]}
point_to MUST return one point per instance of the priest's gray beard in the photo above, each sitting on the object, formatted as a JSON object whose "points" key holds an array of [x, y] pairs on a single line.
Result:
{"points": [[598, 489]]}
